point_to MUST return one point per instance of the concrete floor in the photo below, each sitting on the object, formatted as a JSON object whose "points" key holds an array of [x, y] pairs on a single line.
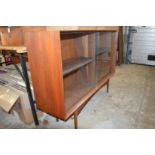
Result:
{"points": [[130, 104]]}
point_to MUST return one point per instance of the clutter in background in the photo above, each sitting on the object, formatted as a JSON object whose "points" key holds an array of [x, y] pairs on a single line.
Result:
{"points": [[13, 94]]}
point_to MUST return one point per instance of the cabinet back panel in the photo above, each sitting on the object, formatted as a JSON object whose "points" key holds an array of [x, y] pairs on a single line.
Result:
{"points": [[69, 80], [105, 40], [14, 38], [68, 48], [77, 45]]}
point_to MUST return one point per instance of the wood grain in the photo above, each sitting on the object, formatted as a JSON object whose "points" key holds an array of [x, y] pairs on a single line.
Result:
{"points": [[46, 70], [74, 64], [14, 38], [63, 28], [84, 28]]}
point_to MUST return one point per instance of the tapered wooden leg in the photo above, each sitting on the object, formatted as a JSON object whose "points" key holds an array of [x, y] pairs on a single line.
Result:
{"points": [[76, 120], [108, 86]]}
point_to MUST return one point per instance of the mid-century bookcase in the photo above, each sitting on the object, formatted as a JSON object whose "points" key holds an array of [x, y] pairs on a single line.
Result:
{"points": [[68, 64]]}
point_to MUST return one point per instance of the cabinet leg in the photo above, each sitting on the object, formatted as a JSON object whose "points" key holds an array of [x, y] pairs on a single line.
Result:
{"points": [[108, 86], [76, 120]]}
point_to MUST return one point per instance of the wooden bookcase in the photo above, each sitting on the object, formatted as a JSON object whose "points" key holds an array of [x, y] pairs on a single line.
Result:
{"points": [[69, 66]]}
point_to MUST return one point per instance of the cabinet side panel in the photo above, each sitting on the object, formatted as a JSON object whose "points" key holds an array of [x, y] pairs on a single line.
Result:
{"points": [[44, 55]]}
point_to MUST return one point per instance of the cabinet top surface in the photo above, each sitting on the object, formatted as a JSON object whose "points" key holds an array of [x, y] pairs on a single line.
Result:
{"points": [[82, 28], [63, 28]]}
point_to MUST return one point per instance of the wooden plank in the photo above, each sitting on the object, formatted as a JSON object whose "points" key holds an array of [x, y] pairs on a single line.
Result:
{"points": [[18, 49], [12, 38], [74, 64], [86, 28], [49, 28], [62, 28], [108, 28]]}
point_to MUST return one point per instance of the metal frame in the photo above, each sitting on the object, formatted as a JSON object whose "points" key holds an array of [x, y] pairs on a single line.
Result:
{"points": [[24, 75], [28, 88]]}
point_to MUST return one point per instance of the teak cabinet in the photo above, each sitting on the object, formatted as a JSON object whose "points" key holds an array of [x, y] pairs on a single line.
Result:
{"points": [[68, 66]]}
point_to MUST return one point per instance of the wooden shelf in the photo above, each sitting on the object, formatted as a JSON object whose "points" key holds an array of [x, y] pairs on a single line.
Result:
{"points": [[73, 32], [83, 28], [74, 64], [101, 51], [103, 57]]}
